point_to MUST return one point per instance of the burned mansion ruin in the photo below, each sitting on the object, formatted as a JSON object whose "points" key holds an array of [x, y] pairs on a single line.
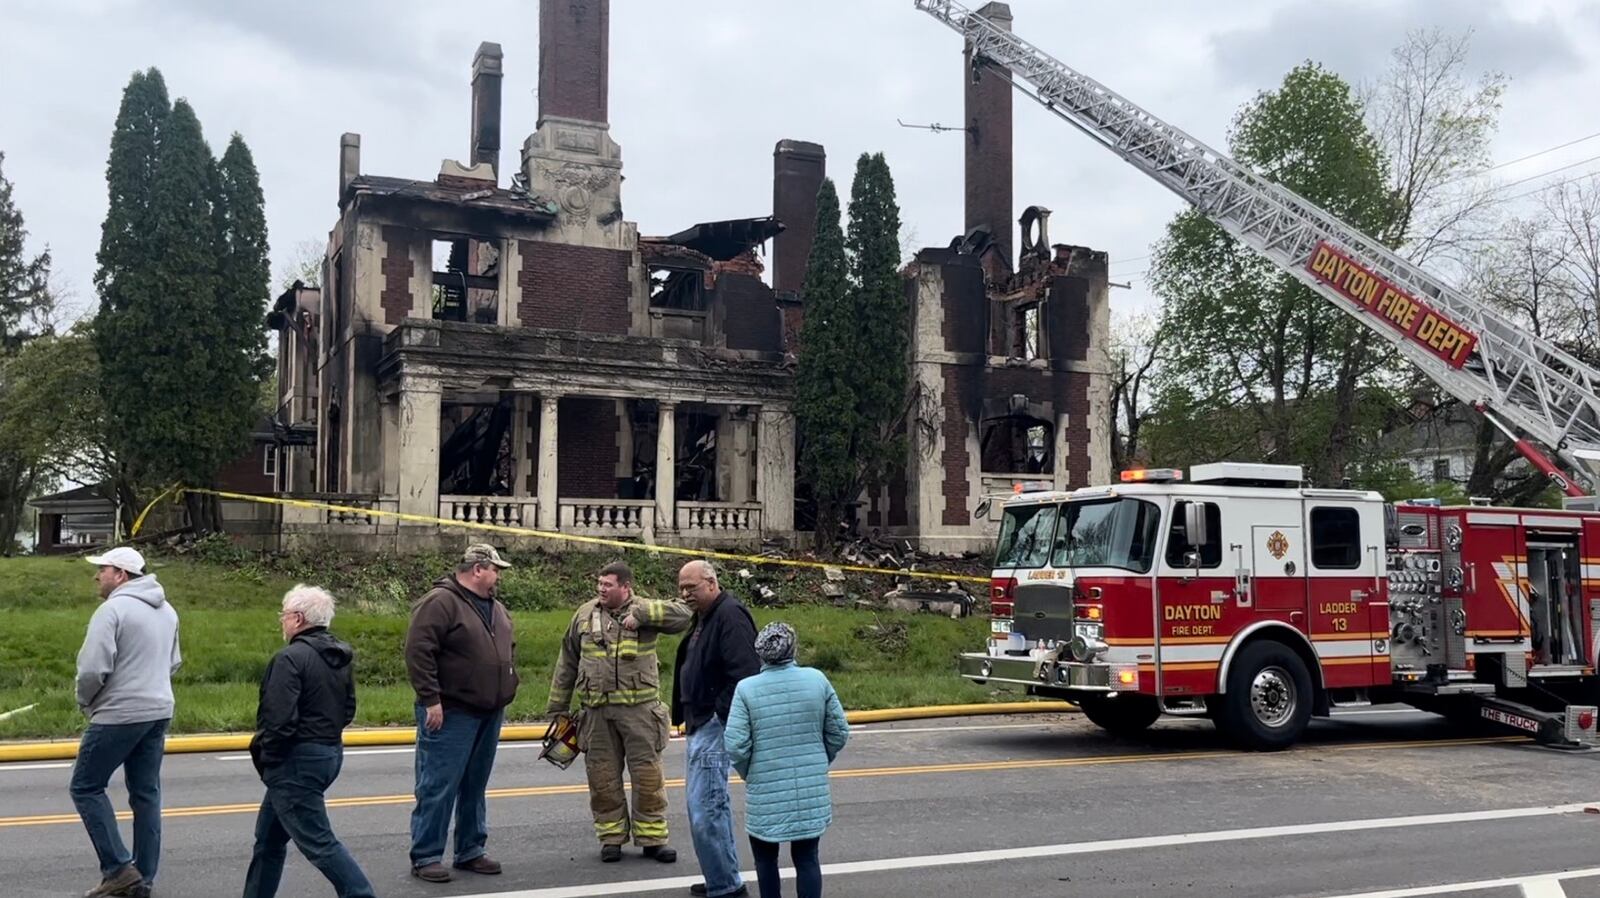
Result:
{"points": [[506, 348]]}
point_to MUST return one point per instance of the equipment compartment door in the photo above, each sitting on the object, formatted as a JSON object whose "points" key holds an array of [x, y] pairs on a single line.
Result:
{"points": [[1278, 564]]}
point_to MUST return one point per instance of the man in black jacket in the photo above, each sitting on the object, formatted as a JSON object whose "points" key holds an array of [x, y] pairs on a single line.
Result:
{"points": [[308, 697], [719, 651]]}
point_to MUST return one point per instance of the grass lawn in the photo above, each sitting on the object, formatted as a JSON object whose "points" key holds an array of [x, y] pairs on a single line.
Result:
{"points": [[228, 606]]}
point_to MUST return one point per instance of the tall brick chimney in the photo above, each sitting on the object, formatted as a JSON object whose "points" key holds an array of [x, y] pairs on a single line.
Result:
{"points": [[487, 71], [988, 174], [574, 51], [798, 168], [349, 161]]}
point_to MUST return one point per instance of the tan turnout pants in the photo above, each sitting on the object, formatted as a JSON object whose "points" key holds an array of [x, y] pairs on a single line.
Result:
{"points": [[612, 736]]}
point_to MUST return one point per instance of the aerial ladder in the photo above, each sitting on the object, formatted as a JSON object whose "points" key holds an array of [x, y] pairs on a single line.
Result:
{"points": [[1528, 387]]}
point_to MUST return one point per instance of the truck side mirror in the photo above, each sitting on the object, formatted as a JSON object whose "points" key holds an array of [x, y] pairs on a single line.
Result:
{"points": [[982, 511], [1194, 524]]}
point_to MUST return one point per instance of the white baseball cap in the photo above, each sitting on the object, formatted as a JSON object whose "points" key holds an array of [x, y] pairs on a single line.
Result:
{"points": [[121, 557]]}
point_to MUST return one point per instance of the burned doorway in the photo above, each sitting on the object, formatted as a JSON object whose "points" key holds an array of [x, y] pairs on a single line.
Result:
{"points": [[476, 455]]}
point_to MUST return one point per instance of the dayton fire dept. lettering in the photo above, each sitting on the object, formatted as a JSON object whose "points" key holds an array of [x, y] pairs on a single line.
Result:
{"points": [[1194, 612]]}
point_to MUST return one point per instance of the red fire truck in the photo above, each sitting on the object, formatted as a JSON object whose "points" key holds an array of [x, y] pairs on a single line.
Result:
{"points": [[1243, 595]]}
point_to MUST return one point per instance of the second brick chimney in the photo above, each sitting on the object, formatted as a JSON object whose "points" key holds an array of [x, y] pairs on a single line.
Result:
{"points": [[487, 71], [988, 171], [574, 46]]}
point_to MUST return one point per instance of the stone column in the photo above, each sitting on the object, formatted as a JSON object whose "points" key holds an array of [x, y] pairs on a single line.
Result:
{"points": [[666, 465], [549, 502], [418, 428], [775, 471], [738, 455]]}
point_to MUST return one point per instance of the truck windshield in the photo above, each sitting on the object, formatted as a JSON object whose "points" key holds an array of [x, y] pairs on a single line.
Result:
{"points": [[1025, 535], [1107, 533]]}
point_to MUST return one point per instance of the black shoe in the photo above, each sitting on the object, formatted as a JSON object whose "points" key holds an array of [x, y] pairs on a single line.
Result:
{"points": [[661, 853], [610, 853], [699, 889]]}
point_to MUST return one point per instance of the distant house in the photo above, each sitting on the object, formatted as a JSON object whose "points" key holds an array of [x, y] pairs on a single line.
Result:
{"points": [[85, 517]]}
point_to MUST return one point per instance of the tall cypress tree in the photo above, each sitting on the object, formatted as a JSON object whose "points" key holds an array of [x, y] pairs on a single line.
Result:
{"points": [[24, 281], [244, 272], [826, 380], [123, 277], [881, 314]]}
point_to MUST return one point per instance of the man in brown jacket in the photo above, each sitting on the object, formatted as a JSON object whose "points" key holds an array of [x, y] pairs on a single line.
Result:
{"points": [[460, 656]]}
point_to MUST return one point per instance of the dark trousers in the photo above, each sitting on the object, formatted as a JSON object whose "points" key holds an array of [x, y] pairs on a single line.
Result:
{"points": [[137, 749], [807, 867], [294, 809]]}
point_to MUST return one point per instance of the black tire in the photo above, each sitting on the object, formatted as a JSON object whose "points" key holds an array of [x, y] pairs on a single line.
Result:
{"points": [[1121, 715], [1268, 702]]}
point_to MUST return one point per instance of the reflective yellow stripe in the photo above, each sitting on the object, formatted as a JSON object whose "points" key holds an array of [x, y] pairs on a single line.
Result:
{"points": [[619, 697], [611, 827], [650, 830]]}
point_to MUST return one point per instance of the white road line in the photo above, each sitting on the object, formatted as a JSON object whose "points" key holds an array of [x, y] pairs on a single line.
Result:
{"points": [[1539, 885], [1127, 844], [52, 766]]}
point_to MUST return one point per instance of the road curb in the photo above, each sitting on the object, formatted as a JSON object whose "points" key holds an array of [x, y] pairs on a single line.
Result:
{"points": [[66, 750]]}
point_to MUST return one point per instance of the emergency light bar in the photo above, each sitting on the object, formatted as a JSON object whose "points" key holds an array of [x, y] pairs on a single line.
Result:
{"points": [[1032, 486], [1152, 475]]}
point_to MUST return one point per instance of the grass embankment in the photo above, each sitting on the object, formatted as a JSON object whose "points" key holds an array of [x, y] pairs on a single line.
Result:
{"points": [[228, 604]]}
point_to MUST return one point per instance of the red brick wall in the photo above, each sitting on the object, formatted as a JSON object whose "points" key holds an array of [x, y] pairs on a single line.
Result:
{"points": [[1078, 427], [574, 41], [243, 474], [587, 453], [579, 288], [955, 458], [397, 269]]}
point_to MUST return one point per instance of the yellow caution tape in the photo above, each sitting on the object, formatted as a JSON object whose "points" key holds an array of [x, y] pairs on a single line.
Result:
{"points": [[178, 491]]}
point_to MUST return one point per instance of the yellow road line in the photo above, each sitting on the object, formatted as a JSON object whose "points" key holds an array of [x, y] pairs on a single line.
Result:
{"points": [[848, 773]]}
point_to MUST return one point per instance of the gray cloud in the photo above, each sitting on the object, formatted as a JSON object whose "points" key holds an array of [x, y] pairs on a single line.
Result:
{"points": [[1357, 41]]}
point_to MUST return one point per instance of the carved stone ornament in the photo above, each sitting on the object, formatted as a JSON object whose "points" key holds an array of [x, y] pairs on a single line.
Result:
{"points": [[576, 186]]}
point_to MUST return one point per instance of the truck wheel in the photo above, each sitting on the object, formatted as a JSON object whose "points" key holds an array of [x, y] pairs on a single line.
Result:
{"points": [[1268, 702], [1121, 715]]}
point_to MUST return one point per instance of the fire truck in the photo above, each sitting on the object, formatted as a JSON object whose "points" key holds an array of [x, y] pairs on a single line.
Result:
{"points": [[1244, 595], [1247, 595]]}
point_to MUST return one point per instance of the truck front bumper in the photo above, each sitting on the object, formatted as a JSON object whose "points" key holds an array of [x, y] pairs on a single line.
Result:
{"points": [[1045, 673]]}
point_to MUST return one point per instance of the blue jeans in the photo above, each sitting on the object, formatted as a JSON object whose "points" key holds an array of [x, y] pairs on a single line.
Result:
{"points": [[453, 766], [807, 868], [137, 749], [710, 811], [294, 809]]}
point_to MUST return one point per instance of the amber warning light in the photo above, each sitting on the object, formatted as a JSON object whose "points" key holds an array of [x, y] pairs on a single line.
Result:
{"points": [[1152, 475]]}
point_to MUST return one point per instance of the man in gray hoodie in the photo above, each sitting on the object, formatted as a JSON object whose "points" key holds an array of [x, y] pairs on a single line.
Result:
{"points": [[125, 687]]}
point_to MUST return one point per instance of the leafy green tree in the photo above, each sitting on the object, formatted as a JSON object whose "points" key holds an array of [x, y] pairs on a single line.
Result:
{"points": [[1244, 334], [25, 307], [826, 401]]}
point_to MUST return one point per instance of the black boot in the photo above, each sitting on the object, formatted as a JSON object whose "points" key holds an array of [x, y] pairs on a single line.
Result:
{"points": [[661, 853], [611, 853]]}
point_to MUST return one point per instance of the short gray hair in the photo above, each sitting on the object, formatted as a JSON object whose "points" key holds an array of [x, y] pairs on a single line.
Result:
{"points": [[707, 569], [314, 603]]}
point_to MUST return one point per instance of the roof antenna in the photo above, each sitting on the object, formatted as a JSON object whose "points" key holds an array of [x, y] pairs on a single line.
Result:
{"points": [[935, 127]]}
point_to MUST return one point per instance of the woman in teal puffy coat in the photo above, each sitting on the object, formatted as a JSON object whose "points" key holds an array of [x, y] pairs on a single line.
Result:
{"points": [[784, 729]]}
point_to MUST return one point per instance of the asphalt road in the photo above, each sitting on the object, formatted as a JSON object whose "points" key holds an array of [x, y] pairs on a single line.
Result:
{"points": [[1382, 802]]}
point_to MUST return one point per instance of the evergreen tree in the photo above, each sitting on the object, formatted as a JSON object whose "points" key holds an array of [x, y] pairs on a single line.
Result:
{"points": [[24, 281], [826, 381], [880, 364], [124, 277], [24, 314], [244, 274]]}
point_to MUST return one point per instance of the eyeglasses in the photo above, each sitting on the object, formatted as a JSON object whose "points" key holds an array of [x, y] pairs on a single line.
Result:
{"points": [[284, 614]]}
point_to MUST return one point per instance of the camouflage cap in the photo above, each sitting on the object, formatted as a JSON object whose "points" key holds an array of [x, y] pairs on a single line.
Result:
{"points": [[483, 553]]}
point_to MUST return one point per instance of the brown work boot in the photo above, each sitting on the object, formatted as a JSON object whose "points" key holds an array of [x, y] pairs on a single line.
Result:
{"points": [[118, 882], [480, 864], [431, 873]]}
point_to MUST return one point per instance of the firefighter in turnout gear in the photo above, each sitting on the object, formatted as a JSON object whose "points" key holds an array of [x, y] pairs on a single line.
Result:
{"points": [[608, 663]]}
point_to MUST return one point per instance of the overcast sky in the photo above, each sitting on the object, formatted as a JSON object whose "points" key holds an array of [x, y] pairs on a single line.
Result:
{"points": [[701, 90]]}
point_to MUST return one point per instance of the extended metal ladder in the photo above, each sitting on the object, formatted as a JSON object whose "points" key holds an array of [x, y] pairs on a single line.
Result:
{"points": [[1470, 349]]}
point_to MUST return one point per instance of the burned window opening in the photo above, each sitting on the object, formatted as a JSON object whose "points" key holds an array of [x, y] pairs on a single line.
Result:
{"points": [[466, 280], [1017, 444], [677, 288], [695, 452], [476, 456], [1027, 334]]}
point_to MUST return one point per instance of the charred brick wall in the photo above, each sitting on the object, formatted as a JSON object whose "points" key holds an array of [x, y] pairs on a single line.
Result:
{"points": [[580, 288], [397, 269], [587, 453], [751, 319]]}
